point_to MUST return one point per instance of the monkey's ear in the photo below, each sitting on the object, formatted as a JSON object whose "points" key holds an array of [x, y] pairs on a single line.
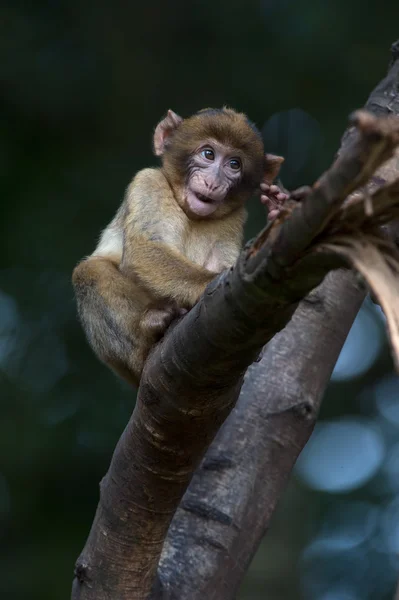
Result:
{"points": [[164, 130], [272, 167]]}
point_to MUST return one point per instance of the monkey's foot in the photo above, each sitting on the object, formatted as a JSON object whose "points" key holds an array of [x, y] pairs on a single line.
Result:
{"points": [[157, 320]]}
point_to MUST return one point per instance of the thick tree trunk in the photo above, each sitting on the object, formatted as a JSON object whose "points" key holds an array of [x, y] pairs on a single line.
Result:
{"points": [[190, 385], [228, 505]]}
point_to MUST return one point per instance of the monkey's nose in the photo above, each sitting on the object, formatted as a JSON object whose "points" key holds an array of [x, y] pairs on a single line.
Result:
{"points": [[213, 187]]}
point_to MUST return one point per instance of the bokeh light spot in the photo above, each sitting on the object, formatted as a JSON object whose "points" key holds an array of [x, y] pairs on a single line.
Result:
{"points": [[341, 455], [361, 348]]}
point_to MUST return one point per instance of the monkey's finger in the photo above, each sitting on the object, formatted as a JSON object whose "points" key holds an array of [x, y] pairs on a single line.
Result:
{"points": [[273, 214], [274, 189], [282, 197], [265, 187], [267, 200], [270, 204]]}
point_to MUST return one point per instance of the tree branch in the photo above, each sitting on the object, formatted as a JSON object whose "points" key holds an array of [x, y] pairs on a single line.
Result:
{"points": [[228, 505], [191, 383], [248, 464]]}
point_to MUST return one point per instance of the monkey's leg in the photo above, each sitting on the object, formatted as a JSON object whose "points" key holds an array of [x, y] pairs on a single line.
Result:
{"points": [[117, 317]]}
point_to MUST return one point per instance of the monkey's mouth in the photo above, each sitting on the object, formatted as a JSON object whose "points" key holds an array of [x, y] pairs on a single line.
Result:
{"points": [[200, 204], [204, 198]]}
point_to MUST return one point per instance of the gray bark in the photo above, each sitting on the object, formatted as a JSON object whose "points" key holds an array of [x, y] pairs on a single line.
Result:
{"points": [[191, 383]]}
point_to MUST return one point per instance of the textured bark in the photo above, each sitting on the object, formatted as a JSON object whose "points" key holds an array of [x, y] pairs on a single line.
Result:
{"points": [[228, 505], [247, 466], [190, 385]]}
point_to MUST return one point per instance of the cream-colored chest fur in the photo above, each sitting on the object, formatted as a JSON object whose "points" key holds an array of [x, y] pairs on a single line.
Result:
{"points": [[213, 244]]}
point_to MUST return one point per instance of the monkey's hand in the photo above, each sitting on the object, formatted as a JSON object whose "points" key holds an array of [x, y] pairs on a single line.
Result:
{"points": [[273, 198]]}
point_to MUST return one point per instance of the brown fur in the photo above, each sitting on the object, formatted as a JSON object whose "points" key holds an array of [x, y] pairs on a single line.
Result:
{"points": [[232, 129], [153, 259]]}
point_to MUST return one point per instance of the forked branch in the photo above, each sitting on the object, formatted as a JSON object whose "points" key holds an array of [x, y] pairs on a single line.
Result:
{"points": [[191, 383]]}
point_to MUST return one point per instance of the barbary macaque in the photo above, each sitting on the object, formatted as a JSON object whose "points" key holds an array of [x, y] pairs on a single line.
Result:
{"points": [[178, 226]]}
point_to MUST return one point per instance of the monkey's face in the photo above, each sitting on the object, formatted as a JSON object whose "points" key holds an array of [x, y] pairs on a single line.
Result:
{"points": [[214, 170], [214, 160]]}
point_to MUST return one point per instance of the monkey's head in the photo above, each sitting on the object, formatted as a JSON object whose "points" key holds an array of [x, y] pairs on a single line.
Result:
{"points": [[214, 160]]}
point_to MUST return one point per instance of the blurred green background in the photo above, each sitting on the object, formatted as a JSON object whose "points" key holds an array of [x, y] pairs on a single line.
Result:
{"points": [[83, 84]]}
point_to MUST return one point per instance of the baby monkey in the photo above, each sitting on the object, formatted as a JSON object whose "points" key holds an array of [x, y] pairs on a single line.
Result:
{"points": [[178, 226]]}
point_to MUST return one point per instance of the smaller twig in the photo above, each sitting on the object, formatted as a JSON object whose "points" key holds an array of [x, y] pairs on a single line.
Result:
{"points": [[383, 200], [368, 205], [283, 241], [379, 266]]}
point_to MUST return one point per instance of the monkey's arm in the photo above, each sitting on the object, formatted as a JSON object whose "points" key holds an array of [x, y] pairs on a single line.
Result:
{"points": [[163, 271], [153, 233]]}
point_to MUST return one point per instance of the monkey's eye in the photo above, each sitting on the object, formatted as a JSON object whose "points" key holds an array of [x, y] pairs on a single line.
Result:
{"points": [[208, 153], [235, 164]]}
